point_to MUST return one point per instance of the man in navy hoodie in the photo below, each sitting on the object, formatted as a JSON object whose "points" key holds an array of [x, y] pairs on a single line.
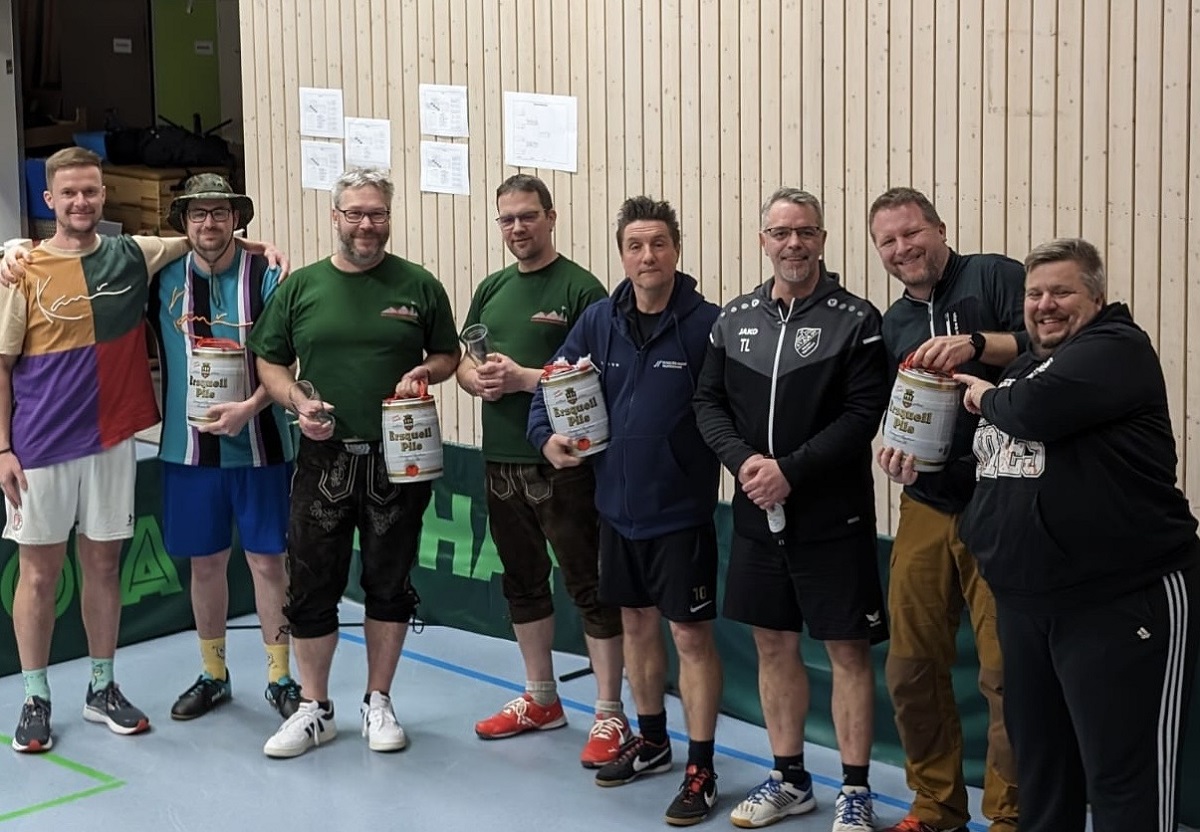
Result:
{"points": [[656, 490], [1091, 552]]}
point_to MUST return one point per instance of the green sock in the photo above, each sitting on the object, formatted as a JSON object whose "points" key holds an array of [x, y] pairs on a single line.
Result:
{"points": [[102, 673], [36, 683]]}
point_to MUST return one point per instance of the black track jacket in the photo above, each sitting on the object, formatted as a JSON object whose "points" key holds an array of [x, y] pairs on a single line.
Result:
{"points": [[805, 383]]}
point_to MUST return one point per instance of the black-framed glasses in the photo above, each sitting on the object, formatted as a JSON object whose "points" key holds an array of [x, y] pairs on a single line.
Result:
{"points": [[783, 233], [201, 214], [378, 217], [525, 218]]}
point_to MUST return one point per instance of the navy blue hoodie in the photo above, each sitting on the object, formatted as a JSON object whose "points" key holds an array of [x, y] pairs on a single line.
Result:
{"points": [[657, 475]]}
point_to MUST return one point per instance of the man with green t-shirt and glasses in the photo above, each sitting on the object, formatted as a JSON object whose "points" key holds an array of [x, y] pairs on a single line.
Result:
{"points": [[528, 308], [363, 324]]}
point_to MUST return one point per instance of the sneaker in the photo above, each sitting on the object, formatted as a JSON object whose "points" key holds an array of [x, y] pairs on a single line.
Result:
{"points": [[284, 696], [635, 758], [33, 731], [696, 797], [379, 724], [604, 741], [206, 694], [773, 800], [915, 824], [521, 715], [308, 727], [854, 811], [109, 705]]}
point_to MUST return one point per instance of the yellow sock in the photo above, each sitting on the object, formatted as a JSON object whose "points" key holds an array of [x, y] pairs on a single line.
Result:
{"points": [[277, 661], [212, 654]]}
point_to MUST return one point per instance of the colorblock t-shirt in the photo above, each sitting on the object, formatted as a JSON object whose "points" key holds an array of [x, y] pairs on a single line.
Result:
{"points": [[76, 320]]}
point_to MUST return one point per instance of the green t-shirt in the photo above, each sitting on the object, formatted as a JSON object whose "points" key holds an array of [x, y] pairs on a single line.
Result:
{"points": [[528, 315], [356, 334]]}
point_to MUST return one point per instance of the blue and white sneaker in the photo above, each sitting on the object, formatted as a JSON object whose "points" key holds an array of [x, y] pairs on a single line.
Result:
{"points": [[854, 811], [772, 801]]}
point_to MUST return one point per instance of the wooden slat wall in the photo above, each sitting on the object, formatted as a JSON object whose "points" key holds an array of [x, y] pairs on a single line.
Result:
{"points": [[1022, 119]]}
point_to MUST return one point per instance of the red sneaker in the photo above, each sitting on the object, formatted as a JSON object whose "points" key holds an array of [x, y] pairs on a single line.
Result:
{"points": [[605, 739], [521, 715], [913, 824]]}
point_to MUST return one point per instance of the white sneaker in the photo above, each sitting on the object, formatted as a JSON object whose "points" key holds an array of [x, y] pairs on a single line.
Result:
{"points": [[308, 727], [773, 800], [854, 811], [379, 724]]}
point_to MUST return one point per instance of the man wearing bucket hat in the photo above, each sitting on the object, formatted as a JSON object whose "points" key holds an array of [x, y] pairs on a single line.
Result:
{"points": [[1091, 551], [789, 398], [528, 307], [956, 310], [656, 491], [233, 466], [364, 325]]}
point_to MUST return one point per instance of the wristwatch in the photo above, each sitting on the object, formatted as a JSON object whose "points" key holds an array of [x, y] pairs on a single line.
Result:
{"points": [[978, 341]]}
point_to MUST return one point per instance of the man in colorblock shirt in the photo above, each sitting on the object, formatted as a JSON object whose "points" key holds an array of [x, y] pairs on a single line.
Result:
{"points": [[74, 389]]}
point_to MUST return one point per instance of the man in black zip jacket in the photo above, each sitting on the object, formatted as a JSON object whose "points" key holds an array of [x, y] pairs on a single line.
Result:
{"points": [[789, 397], [956, 311], [1091, 552]]}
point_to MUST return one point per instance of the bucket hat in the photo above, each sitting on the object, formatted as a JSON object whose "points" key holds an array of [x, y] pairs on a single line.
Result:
{"points": [[208, 186]]}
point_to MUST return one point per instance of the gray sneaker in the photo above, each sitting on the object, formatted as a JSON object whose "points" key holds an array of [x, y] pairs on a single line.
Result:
{"points": [[33, 731], [109, 706]]}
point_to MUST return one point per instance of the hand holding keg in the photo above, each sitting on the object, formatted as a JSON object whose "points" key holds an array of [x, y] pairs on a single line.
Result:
{"points": [[559, 451], [228, 418], [942, 353], [899, 466], [976, 387]]}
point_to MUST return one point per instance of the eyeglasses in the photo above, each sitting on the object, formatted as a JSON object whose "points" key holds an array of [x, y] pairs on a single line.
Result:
{"points": [[783, 233], [509, 220], [201, 214], [378, 217]]}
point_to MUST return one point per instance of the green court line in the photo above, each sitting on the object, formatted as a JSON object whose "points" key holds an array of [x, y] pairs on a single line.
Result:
{"points": [[107, 782]]}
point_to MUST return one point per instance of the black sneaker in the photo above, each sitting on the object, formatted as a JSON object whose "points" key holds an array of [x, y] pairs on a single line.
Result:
{"points": [[33, 731], [636, 757], [109, 705], [696, 797], [284, 696], [206, 694]]}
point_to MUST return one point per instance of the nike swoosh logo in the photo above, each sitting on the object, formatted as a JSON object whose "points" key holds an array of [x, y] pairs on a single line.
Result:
{"points": [[641, 765], [698, 607]]}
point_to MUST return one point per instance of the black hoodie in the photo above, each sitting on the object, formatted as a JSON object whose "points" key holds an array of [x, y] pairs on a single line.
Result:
{"points": [[1076, 499]]}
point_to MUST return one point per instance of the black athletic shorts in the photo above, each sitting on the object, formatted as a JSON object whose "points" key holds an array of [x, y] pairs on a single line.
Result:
{"points": [[676, 572], [831, 585]]}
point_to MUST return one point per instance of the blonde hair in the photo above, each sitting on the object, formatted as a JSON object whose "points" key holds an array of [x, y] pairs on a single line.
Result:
{"points": [[70, 157]]}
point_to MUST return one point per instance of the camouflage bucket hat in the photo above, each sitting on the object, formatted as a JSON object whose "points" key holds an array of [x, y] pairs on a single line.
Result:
{"points": [[208, 186]]}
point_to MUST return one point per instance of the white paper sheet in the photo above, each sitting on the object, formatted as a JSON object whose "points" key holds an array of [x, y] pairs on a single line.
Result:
{"points": [[444, 168], [321, 164], [321, 112], [541, 131], [369, 143], [443, 110]]}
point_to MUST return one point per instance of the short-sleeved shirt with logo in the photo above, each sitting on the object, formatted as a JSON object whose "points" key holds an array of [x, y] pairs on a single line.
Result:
{"points": [[528, 315], [355, 334]]}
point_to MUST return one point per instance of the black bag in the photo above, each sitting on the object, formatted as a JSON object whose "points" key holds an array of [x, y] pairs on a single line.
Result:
{"points": [[169, 146]]}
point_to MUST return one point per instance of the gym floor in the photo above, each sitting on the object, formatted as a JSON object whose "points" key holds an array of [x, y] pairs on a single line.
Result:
{"points": [[211, 772]]}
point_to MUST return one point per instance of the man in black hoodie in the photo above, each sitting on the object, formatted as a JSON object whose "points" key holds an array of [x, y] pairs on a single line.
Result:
{"points": [[1091, 552]]}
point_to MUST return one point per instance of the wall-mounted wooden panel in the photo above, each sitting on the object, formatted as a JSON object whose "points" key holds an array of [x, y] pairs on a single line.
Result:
{"points": [[1022, 119]]}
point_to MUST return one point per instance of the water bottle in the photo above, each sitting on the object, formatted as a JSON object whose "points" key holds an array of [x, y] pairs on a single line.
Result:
{"points": [[777, 522]]}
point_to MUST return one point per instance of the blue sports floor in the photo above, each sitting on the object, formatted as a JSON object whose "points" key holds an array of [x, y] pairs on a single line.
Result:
{"points": [[210, 774]]}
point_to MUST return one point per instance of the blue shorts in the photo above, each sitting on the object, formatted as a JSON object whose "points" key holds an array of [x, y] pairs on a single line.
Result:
{"points": [[201, 503]]}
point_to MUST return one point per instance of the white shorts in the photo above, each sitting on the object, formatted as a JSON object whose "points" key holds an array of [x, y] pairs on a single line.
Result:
{"points": [[95, 492]]}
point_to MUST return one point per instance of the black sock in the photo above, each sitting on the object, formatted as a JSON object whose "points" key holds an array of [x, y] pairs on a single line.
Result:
{"points": [[653, 727], [700, 753], [855, 775], [792, 769]]}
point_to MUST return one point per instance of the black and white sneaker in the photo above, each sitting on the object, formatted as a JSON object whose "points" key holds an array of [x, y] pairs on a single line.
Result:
{"points": [[636, 757], [697, 796], [109, 706], [33, 731], [308, 727]]}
